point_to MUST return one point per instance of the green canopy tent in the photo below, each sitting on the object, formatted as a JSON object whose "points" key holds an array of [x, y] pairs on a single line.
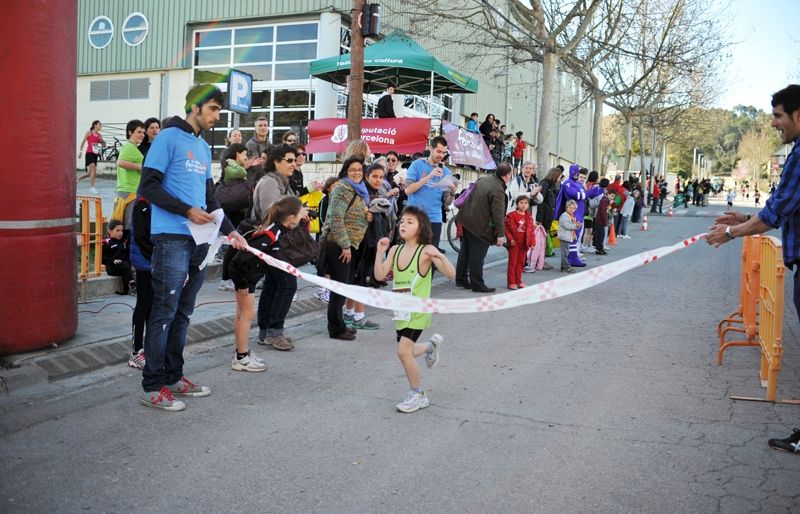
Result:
{"points": [[399, 60]]}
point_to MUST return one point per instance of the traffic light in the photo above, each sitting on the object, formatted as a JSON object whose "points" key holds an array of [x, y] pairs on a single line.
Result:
{"points": [[371, 20]]}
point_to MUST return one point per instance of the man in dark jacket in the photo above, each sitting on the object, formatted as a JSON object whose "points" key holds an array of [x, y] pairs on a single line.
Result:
{"points": [[386, 103], [483, 218]]}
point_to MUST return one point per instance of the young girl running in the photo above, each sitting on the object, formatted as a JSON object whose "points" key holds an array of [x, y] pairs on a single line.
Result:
{"points": [[245, 269], [410, 262]]}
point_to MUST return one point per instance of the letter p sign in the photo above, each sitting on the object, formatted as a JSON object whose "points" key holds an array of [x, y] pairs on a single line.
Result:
{"points": [[240, 91]]}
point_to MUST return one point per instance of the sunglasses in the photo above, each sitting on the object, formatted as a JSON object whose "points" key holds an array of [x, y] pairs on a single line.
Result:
{"points": [[291, 160], [392, 159], [290, 141], [301, 154]]}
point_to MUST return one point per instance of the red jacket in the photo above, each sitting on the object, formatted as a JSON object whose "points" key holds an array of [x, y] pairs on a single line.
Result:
{"points": [[519, 148], [519, 227]]}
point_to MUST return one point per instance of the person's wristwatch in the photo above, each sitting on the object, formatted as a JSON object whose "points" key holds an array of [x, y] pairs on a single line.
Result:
{"points": [[729, 233]]}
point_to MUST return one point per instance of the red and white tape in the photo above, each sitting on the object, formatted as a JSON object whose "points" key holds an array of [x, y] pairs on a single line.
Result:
{"points": [[535, 293]]}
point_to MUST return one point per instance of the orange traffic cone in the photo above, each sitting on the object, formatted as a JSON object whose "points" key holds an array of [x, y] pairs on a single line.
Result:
{"points": [[644, 223], [670, 212], [612, 235]]}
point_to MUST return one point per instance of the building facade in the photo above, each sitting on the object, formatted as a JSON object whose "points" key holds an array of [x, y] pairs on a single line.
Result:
{"points": [[137, 58]]}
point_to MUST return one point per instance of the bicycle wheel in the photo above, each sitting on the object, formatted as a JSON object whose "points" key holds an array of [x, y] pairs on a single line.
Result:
{"points": [[452, 234]]}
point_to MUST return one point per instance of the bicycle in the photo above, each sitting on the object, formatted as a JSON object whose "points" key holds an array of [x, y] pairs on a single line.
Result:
{"points": [[111, 153], [453, 229]]}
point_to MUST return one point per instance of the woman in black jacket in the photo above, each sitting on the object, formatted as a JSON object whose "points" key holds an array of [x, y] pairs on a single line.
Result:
{"points": [[546, 211]]}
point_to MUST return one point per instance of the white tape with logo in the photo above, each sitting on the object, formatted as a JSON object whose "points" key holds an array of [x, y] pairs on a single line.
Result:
{"points": [[535, 293]]}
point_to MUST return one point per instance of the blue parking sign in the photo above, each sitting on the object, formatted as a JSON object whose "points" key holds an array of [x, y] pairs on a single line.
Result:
{"points": [[240, 91]]}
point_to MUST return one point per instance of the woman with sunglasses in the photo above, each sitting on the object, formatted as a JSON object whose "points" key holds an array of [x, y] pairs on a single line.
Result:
{"points": [[270, 188]]}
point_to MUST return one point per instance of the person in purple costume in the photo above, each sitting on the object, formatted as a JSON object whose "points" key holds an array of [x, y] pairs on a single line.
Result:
{"points": [[574, 189]]}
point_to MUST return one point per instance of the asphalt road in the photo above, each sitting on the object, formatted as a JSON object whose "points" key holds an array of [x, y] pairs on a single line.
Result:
{"points": [[607, 401]]}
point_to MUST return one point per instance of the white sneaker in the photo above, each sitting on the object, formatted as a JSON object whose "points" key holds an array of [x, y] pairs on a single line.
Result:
{"points": [[413, 402], [322, 294], [93, 191], [226, 285], [529, 270], [136, 360], [625, 237], [432, 356], [248, 363]]}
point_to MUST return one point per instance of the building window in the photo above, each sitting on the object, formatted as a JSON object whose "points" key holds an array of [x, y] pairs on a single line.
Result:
{"points": [[267, 52], [129, 89], [278, 57], [134, 29], [101, 31]]}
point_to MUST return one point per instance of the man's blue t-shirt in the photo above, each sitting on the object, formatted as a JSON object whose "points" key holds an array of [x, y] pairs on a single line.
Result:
{"points": [[428, 197], [185, 161]]}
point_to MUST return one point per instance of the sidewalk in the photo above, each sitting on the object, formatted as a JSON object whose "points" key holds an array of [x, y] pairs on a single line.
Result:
{"points": [[104, 338]]}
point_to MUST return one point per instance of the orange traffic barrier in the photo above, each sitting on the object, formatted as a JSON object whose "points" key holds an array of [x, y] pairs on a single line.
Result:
{"points": [[770, 327], [612, 235], [91, 236], [744, 320]]}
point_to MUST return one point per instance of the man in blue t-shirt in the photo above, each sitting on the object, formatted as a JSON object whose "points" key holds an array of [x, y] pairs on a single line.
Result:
{"points": [[176, 179], [422, 182]]}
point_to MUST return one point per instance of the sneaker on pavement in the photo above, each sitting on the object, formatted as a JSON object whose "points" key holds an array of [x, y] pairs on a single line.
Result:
{"points": [[226, 285], [546, 267], [432, 356], [791, 444], [322, 294], [529, 270], [247, 363], [364, 324], [185, 387], [162, 399], [348, 320], [280, 342], [136, 360], [413, 402], [93, 191]]}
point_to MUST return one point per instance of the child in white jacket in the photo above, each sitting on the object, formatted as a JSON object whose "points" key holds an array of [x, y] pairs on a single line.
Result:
{"points": [[625, 213]]}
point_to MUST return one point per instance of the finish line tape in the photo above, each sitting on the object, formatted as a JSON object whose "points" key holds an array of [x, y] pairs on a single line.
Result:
{"points": [[535, 293]]}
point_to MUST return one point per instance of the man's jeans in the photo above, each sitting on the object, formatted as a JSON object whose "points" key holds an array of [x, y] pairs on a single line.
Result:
{"points": [[176, 282]]}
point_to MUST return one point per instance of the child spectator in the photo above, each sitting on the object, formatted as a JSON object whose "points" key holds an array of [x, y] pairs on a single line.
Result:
{"points": [[411, 264], [757, 197], [519, 235], [116, 257], [730, 198], [246, 270], [235, 167], [567, 225], [141, 252], [601, 223], [519, 150], [625, 214], [472, 124]]}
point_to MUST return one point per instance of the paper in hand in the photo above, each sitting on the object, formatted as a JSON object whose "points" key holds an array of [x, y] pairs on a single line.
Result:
{"points": [[207, 233]]}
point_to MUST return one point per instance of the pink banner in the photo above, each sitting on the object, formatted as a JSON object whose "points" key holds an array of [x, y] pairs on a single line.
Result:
{"points": [[403, 135], [467, 147]]}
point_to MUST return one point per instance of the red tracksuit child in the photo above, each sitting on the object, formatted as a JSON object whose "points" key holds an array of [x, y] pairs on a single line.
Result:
{"points": [[519, 237]]}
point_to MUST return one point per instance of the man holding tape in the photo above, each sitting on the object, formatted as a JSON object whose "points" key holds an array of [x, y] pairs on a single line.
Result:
{"points": [[781, 210]]}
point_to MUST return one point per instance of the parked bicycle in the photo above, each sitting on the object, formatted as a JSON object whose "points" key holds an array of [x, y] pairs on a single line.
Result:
{"points": [[453, 229], [111, 152]]}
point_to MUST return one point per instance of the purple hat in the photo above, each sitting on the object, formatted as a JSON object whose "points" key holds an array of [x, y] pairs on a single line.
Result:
{"points": [[574, 170]]}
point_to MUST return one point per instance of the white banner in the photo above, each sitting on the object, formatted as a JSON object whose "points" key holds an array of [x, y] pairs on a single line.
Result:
{"points": [[535, 293]]}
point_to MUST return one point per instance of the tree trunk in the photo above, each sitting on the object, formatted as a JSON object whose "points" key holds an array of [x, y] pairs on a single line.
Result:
{"points": [[628, 141], [597, 127], [549, 66], [642, 169]]}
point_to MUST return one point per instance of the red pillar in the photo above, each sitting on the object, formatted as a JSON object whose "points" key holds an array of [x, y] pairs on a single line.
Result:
{"points": [[38, 304]]}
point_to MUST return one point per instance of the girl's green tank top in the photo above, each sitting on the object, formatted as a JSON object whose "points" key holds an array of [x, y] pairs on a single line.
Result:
{"points": [[410, 280]]}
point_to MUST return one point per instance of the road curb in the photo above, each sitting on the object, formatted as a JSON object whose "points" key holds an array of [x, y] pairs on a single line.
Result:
{"points": [[66, 362]]}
